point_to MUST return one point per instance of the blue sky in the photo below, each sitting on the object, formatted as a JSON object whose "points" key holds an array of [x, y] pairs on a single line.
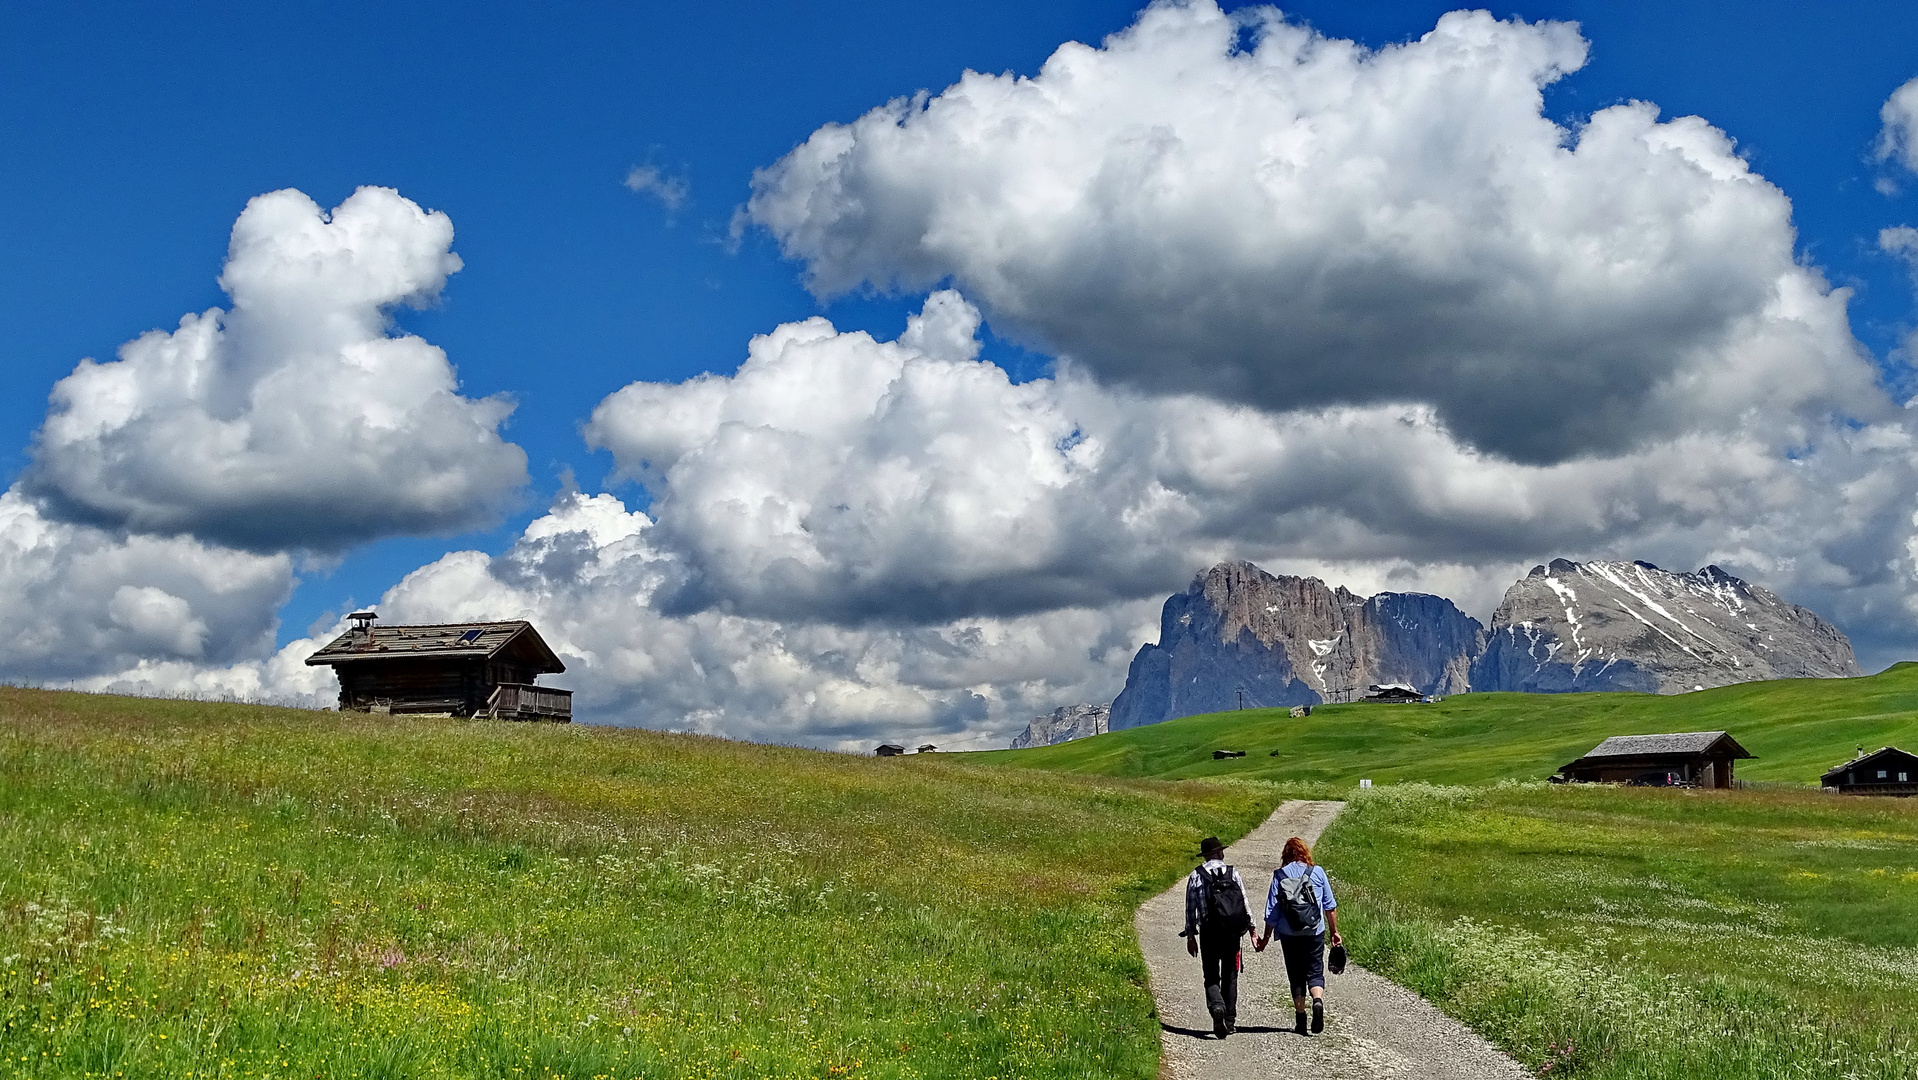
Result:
{"points": [[134, 135]]}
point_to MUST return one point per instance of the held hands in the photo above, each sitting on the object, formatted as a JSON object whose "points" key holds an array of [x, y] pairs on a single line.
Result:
{"points": [[1192, 946]]}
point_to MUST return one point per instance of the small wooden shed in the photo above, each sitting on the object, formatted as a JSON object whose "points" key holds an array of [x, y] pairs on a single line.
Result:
{"points": [[886, 749], [1888, 771], [456, 669], [1689, 758]]}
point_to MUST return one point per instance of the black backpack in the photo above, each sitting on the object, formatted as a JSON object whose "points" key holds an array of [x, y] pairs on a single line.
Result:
{"points": [[1224, 901]]}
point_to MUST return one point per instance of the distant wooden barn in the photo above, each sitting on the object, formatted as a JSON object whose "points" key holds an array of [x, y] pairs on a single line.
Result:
{"points": [[886, 749], [457, 669], [1889, 771], [1689, 758], [1392, 694]]}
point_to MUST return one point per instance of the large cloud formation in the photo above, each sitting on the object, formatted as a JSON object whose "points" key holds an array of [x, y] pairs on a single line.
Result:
{"points": [[851, 538], [75, 601], [297, 419], [587, 574], [150, 543], [1305, 222], [1361, 314]]}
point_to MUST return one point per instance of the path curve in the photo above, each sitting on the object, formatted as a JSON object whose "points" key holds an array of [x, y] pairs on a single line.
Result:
{"points": [[1374, 1027]]}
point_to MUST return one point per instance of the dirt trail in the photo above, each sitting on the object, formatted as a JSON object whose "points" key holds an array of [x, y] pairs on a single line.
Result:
{"points": [[1374, 1027]]}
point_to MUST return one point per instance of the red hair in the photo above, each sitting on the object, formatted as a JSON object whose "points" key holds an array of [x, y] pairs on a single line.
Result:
{"points": [[1296, 850]]}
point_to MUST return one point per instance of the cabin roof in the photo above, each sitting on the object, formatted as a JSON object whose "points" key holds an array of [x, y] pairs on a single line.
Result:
{"points": [[1885, 752], [480, 640], [1683, 742]]}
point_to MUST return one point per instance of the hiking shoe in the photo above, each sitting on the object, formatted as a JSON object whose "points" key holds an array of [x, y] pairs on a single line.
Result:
{"points": [[1298, 1023], [1231, 1026], [1318, 1017], [1220, 1028]]}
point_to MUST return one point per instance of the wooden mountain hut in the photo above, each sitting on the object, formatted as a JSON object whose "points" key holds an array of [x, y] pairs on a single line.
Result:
{"points": [[456, 669], [1682, 759], [1889, 771], [887, 749], [1391, 694]]}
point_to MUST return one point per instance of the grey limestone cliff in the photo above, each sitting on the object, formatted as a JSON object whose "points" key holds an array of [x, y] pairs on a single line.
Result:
{"points": [[1630, 626], [1064, 724], [1290, 641], [1564, 627]]}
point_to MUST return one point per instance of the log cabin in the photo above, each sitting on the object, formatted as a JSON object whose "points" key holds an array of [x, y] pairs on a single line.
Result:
{"points": [[1682, 759], [1888, 771], [451, 669]]}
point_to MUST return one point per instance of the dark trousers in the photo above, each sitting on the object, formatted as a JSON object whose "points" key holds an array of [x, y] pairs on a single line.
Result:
{"points": [[1220, 955], [1304, 962]]}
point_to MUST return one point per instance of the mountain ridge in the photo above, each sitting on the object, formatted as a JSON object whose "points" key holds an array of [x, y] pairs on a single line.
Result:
{"points": [[1239, 635]]}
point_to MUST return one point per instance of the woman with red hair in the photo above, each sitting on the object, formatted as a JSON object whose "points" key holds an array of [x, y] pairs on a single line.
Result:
{"points": [[1301, 910]]}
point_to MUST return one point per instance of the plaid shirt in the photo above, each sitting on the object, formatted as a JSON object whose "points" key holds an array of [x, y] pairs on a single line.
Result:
{"points": [[1195, 894]]}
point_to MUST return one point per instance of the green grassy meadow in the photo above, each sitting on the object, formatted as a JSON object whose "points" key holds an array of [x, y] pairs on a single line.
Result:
{"points": [[1622, 933], [213, 890], [1798, 728], [1596, 931], [209, 890]]}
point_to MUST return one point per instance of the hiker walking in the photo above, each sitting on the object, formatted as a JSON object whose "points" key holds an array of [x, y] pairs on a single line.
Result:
{"points": [[1300, 909], [1216, 915]]}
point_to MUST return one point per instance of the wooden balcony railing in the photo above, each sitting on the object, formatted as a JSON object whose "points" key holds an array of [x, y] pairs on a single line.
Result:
{"points": [[522, 701]]}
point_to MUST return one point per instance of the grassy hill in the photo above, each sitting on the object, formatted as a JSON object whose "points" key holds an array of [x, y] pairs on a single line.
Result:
{"points": [[223, 890], [1798, 728], [1616, 933]]}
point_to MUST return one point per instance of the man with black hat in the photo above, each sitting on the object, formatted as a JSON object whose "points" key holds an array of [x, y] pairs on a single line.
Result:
{"points": [[1216, 916]]}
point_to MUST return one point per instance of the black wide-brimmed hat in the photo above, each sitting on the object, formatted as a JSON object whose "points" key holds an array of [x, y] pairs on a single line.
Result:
{"points": [[1210, 844]]}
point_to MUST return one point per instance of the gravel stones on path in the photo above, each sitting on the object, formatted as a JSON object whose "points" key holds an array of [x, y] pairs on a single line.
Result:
{"points": [[1374, 1027]]}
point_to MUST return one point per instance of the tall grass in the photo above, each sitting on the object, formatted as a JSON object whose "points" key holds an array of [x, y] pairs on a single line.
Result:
{"points": [[1612, 933], [190, 889]]}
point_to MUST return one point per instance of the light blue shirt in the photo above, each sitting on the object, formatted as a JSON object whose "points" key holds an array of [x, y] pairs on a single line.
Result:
{"points": [[1276, 920]]}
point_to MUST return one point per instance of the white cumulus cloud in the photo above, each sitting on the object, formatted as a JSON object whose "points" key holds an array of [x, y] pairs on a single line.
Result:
{"points": [[297, 419], [1898, 138], [1306, 222], [852, 539], [1364, 314], [78, 602]]}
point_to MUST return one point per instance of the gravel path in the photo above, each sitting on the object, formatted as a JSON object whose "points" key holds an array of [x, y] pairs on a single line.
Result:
{"points": [[1374, 1027]]}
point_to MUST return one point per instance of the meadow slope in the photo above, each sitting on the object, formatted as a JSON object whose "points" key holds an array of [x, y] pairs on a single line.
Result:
{"points": [[1644, 934], [225, 890], [1796, 727]]}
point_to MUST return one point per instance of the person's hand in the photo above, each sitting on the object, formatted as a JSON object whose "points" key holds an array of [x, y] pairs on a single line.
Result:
{"points": [[1192, 945], [1338, 938], [1258, 944]]}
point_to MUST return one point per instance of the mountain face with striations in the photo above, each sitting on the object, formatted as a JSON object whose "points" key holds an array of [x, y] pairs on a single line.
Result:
{"points": [[1291, 641], [1630, 626], [1064, 724], [1564, 627]]}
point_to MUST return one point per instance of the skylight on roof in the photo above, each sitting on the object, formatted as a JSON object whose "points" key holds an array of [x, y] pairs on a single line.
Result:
{"points": [[471, 636]]}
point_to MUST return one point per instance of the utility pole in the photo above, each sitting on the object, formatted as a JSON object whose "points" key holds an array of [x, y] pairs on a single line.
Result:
{"points": [[1241, 699]]}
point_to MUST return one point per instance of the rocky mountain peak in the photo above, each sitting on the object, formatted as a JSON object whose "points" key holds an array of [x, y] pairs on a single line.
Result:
{"points": [[1239, 633], [1063, 724], [1632, 626]]}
